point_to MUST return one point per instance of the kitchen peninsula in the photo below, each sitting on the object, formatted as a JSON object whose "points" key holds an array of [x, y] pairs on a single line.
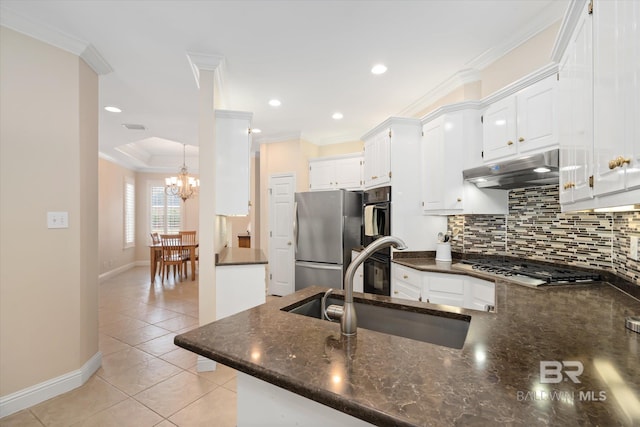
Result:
{"points": [[240, 280], [494, 379]]}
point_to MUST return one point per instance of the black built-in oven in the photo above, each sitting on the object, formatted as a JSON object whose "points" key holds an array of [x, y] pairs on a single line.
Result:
{"points": [[377, 223]]}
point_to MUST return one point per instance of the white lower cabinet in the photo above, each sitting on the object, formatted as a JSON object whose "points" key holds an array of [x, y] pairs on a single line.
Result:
{"points": [[481, 294], [239, 288], [358, 278], [442, 288], [457, 290], [406, 283]]}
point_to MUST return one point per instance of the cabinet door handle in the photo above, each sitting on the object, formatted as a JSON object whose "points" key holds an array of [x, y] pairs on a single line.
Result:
{"points": [[618, 162], [521, 139], [509, 142], [395, 292], [288, 243], [569, 185], [459, 199], [405, 277]]}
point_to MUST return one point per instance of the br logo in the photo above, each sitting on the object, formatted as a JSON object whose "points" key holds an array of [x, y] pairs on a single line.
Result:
{"points": [[554, 372]]}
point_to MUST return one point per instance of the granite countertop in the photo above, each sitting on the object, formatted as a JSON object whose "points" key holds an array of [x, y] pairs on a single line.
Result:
{"points": [[494, 379], [240, 256]]}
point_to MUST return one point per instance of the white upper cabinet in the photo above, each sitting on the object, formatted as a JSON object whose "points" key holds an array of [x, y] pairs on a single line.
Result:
{"points": [[442, 166], [616, 70], [600, 104], [343, 172], [233, 143], [499, 130], [451, 142], [392, 158], [377, 160], [522, 123], [575, 108]]}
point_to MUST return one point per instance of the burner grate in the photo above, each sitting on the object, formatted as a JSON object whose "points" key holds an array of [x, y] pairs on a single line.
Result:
{"points": [[546, 273]]}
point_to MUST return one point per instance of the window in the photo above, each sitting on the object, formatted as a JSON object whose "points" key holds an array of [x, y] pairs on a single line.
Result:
{"points": [[166, 211], [129, 213]]}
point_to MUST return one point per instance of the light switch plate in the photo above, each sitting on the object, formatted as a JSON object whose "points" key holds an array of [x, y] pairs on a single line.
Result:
{"points": [[57, 219], [633, 248]]}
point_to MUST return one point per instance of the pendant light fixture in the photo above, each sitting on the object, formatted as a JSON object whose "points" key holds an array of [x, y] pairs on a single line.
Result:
{"points": [[183, 185]]}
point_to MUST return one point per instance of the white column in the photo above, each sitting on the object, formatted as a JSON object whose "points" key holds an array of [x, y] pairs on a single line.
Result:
{"points": [[207, 70]]}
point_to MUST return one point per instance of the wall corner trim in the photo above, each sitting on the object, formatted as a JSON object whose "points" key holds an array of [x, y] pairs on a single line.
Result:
{"points": [[33, 395]]}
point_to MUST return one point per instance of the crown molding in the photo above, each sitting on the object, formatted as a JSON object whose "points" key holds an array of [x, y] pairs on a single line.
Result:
{"points": [[54, 37], [451, 108], [229, 114], [569, 22], [541, 22], [460, 78], [338, 139], [281, 137], [389, 123], [210, 62], [97, 63]]}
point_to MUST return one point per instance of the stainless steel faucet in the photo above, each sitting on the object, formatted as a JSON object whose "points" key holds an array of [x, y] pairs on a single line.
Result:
{"points": [[348, 319]]}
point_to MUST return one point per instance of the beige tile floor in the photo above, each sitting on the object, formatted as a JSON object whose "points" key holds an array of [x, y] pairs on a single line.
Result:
{"points": [[145, 380]]}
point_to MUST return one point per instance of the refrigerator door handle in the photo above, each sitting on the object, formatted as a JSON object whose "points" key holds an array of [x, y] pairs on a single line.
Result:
{"points": [[319, 266], [295, 227]]}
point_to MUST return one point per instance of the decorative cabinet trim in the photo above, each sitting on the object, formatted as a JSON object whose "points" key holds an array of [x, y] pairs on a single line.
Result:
{"points": [[569, 22], [388, 124], [520, 84]]}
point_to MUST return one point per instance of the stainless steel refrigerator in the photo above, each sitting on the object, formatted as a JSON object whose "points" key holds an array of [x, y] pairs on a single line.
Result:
{"points": [[327, 225]]}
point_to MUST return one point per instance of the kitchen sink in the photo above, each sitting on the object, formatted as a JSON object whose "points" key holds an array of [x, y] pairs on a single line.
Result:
{"points": [[432, 326]]}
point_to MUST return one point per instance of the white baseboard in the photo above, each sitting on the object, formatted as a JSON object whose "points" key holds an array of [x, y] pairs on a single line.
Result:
{"points": [[109, 274], [205, 365], [33, 395]]}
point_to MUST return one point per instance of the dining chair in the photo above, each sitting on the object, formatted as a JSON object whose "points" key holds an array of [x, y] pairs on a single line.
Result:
{"points": [[188, 237], [172, 254]]}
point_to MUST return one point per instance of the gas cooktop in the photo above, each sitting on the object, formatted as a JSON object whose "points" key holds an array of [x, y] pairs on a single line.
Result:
{"points": [[527, 272]]}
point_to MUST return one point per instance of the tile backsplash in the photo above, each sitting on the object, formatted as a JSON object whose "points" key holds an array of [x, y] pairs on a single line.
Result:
{"points": [[536, 229]]}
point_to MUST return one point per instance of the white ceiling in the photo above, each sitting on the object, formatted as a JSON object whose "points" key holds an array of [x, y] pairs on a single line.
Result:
{"points": [[315, 56]]}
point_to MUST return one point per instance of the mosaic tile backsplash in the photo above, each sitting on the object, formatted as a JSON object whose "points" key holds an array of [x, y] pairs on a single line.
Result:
{"points": [[536, 229]]}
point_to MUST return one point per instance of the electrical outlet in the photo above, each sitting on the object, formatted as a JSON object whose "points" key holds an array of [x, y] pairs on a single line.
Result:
{"points": [[633, 248]]}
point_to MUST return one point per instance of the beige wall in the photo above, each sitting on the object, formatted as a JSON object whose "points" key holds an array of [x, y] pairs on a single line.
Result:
{"points": [[278, 158], [526, 58], [49, 162], [342, 148], [113, 254]]}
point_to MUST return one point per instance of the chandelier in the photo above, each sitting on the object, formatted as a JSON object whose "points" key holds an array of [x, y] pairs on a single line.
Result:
{"points": [[183, 185]]}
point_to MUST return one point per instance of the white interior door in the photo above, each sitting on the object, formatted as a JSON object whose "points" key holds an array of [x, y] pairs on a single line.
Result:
{"points": [[281, 248]]}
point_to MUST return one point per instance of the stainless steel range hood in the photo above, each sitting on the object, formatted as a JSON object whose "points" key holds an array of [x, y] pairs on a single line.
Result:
{"points": [[526, 171]]}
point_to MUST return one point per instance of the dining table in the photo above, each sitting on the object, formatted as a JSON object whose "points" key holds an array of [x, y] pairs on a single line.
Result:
{"points": [[155, 251]]}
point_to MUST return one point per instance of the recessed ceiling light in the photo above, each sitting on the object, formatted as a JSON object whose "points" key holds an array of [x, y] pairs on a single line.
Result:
{"points": [[113, 109], [256, 130], [275, 102], [337, 115], [542, 170], [379, 69]]}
